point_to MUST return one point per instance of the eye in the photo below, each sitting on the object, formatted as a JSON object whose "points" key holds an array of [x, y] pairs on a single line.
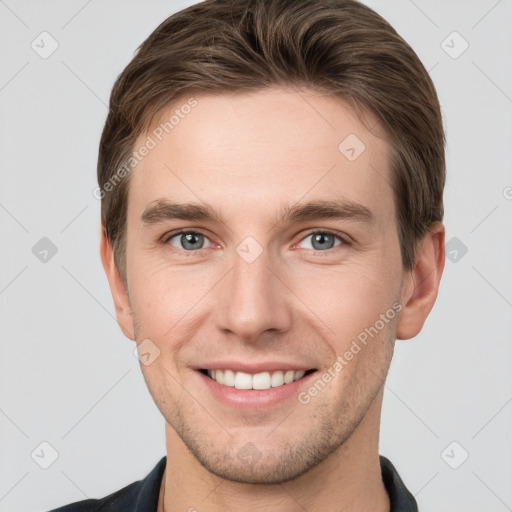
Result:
{"points": [[323, 240], [188, 240]]}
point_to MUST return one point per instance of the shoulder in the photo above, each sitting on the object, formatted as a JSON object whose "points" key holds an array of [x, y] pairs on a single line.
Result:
{"points": [[117, 501], [138, 496]]}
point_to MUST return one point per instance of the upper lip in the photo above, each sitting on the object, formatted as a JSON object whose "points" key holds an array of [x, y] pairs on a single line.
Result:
{"points": [[269, 366]]}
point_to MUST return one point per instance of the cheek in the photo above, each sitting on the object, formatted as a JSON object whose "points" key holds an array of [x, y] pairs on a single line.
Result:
{"points": [[166, 300], [342, 302]]}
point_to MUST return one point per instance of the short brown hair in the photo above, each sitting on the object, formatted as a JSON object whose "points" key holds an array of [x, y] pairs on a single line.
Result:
{"points": [[338, 47]]}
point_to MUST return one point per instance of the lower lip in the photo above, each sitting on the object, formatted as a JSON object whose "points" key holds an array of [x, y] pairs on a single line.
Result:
{"points": [[254, 398]]}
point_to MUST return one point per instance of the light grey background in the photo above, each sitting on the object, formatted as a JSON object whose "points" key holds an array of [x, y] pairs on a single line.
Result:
{"points": [[68, 376]]}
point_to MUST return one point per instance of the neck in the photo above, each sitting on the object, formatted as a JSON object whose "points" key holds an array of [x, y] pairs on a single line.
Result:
{"points": [[349, 480]]}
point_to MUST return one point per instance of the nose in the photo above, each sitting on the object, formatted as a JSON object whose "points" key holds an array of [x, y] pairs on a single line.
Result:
{"points": [[253, 299]]}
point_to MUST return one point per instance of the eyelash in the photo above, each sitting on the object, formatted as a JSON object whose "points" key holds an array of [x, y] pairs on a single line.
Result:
{"points": [[343, 239]]}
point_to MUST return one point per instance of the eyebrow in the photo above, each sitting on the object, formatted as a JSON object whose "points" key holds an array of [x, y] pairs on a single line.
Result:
{"points": [[162, 210], [318, 210]]}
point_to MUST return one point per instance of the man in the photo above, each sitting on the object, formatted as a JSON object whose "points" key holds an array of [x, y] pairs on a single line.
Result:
{"points": [[271, 175]]}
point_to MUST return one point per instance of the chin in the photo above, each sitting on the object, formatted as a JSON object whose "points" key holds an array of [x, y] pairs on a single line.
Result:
{"points": [[262, 461], [266, 470]]}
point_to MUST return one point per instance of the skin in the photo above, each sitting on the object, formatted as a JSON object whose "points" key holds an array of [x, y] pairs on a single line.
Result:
{"points": [[249, 155]]}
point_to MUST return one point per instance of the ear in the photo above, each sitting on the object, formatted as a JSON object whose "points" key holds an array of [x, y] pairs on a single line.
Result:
{"points": [[122, 305], [421, 283]]}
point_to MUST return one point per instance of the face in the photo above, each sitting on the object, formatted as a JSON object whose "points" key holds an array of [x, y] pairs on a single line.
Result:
{"points": [[290, 255]]}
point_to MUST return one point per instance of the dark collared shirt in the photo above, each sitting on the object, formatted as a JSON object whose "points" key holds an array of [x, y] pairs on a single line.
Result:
{"points": [[142, 496]]}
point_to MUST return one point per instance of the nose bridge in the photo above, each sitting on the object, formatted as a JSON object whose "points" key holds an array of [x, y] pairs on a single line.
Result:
{"points": [[252, 298]]}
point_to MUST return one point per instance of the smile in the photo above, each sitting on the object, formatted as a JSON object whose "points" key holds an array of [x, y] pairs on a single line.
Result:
{"points": [[259, 381]]}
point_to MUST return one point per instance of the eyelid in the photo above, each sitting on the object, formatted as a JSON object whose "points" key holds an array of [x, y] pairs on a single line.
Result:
{"points": [[171, 234]]}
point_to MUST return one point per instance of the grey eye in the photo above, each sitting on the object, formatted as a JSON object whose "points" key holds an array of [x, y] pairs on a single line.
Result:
{"points": [[189, 241], [322, 240]]}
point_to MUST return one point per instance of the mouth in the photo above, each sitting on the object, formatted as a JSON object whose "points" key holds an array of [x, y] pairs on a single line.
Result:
{"points": [[255, 381]]}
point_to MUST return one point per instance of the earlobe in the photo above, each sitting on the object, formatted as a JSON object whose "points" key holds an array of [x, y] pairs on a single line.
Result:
{"points": [[421, 284], [119, 295]]}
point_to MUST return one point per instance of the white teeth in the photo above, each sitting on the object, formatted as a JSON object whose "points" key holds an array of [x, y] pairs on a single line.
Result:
{"points": [[263, 380], [229, 378], [242, 380], [299, 375], [277, 379], [288, 377]]}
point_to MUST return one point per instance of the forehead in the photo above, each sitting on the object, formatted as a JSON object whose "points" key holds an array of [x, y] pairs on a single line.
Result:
{"points": [[255, 152]]}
